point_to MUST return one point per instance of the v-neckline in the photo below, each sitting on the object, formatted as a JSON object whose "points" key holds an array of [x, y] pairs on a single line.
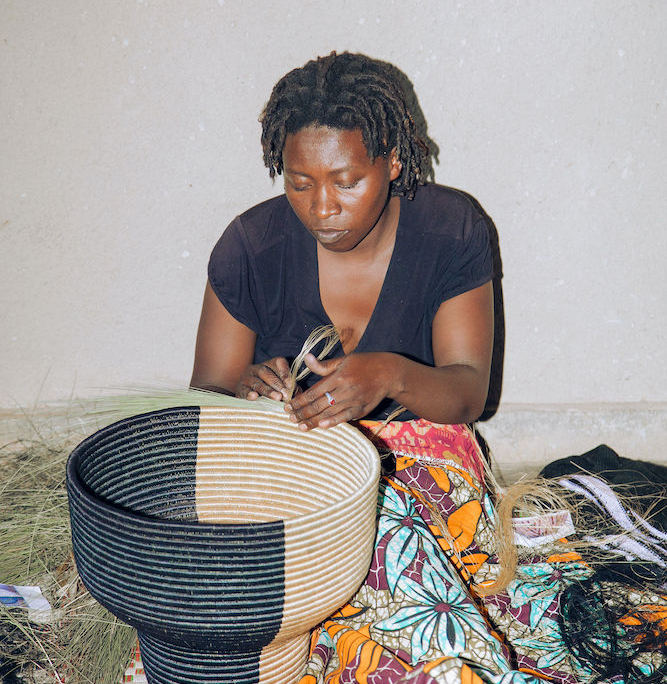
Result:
{"points": [[391, 267]]}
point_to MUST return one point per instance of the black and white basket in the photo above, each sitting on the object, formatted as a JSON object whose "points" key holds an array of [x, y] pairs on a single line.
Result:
{"points": [[223, 535]]}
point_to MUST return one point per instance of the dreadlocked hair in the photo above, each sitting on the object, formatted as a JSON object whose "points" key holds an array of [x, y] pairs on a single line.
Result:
{"points": [[346, 92]]}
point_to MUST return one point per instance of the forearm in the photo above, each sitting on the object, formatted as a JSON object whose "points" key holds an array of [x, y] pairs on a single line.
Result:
{"points": [[447, 394], [353, 385], [225, 348]]}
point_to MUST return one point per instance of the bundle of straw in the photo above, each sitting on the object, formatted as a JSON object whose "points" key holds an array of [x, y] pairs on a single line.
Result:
{"points": [[79, 642]]}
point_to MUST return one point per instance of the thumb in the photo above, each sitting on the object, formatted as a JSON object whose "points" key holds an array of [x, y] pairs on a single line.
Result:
{"points": [[322, 368]]}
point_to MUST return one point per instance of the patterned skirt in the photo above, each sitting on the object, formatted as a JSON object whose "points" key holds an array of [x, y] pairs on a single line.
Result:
{"points": [[418, 618]]}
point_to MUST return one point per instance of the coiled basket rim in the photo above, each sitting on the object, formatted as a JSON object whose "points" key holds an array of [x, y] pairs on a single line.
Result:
{"points": [[151, 521]]}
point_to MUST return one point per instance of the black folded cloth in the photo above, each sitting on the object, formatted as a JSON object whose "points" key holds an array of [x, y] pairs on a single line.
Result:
{"points": [[638, 478]]}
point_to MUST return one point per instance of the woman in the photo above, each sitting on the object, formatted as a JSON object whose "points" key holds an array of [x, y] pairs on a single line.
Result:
{"points": [[404, 273], [402, 269]]}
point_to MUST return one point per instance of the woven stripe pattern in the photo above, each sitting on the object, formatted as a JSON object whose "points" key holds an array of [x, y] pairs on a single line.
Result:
{"points": [[223, 535]]}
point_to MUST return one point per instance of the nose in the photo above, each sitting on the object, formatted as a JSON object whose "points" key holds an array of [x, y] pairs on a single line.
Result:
{"points": [[324, 203]]}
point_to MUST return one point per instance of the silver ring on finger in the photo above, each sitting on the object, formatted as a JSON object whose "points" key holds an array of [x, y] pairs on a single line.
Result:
{"points": [[330, 400]]}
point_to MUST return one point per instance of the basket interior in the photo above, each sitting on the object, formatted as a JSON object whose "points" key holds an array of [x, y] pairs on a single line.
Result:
{"points": [[225, 466]]}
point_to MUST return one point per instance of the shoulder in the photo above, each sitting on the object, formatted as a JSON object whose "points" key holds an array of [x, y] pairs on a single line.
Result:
{"points": [[264, 211], [259, 228], [447, 237], [444, 211], [264, 224]]}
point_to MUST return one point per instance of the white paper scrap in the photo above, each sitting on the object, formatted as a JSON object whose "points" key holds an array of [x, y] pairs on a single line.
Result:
{"points": [[536, 530], [14, 596]]}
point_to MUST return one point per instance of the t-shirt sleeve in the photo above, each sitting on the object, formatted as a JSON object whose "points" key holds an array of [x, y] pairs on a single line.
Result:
{"points": [[470, 264], [231, 275]]}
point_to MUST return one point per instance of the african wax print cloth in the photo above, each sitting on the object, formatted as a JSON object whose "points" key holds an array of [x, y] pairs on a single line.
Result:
{"points": [[419, 617]]}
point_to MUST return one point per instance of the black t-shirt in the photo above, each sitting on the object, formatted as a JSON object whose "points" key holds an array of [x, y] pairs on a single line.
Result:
{"points": [[264, 271]]}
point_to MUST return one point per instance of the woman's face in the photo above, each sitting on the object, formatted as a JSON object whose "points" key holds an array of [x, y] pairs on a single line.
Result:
{"points": [[339, 195]]}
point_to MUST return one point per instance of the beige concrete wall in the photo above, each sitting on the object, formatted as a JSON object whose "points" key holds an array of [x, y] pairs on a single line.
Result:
{"points": [[129, 139]]}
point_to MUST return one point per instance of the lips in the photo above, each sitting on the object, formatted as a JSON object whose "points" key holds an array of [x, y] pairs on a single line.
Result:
{"points": [[329, 235]]}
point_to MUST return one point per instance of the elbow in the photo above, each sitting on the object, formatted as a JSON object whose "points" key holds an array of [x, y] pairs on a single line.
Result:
{"points": [[458, 412], [472, 395], [472, 411], [473, 402], [477, 403]]}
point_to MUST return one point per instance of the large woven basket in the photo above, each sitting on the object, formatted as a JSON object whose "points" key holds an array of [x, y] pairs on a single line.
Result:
{"points": [[224, 535]]}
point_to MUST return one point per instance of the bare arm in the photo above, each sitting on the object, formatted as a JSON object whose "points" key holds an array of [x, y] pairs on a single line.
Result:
{"points": [[224, 355], [225, 347], [453, 391]]}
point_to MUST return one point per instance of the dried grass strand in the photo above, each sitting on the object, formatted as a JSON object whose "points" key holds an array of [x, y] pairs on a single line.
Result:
{"points": [[324, 333], [80, 643]]}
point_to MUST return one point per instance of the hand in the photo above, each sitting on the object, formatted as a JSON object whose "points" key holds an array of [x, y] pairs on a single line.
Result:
{"points": [[269, 379], [356, 382]]}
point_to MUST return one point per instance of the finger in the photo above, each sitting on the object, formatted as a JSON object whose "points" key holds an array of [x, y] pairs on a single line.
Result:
{"points": [[322, 368], [274, 384], [327, 419], [320, 410], [282, 370], [259, 382], [310, 402], [244, 391], [343, 416]]}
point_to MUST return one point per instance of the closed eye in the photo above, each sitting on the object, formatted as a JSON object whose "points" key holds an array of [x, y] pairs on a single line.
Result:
{"points": [[349, 186], [295, 187]]}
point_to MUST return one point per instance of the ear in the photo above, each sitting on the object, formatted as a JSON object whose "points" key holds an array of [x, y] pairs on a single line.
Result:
{"points": [[395, 165]]}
